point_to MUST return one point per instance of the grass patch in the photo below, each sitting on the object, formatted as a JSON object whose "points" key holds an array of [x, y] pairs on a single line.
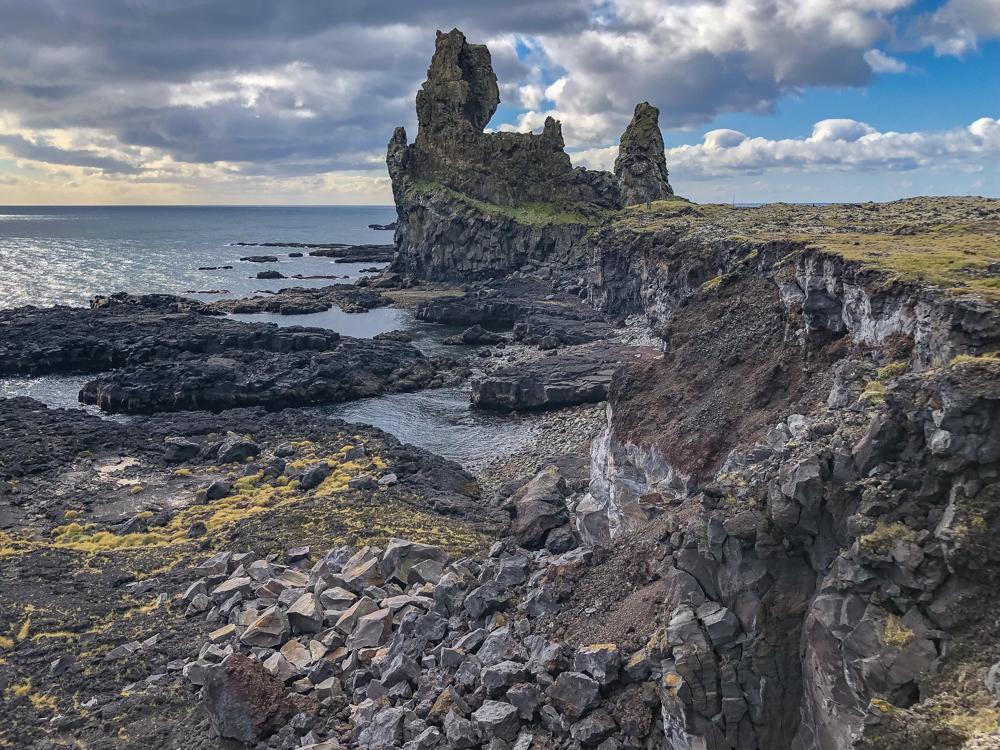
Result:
{"points": [[955, 257], [885, 535], [896, 634], [890, 372], [531, 214], [875, 391]]}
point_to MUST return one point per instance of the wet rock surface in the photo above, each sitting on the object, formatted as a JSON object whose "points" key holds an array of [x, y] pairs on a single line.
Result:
{"points": [[351, 369], [582, 375]]}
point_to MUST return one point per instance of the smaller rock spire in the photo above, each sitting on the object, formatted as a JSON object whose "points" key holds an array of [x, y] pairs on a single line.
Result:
{"points": [[641, 166]]}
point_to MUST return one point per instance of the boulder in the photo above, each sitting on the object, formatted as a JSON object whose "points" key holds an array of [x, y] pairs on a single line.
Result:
{"points": [[314, 475], [180, 449], [306, 614], [244, 701], [600, 662], [236, 449], [270, 630], [574, 693], [400, 556], [496, 720]]}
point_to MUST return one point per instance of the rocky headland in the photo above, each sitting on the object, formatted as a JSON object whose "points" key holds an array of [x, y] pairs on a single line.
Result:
{"points": [[762, 511]]}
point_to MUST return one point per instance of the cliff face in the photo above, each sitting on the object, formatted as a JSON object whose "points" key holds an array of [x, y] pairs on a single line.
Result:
{"points": [[473, 204], [819, 444], [641, 166]]}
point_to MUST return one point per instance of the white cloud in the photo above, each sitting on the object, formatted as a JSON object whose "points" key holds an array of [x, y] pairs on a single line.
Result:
{"points": [[883, 63], [958, 26], [839, 146]]}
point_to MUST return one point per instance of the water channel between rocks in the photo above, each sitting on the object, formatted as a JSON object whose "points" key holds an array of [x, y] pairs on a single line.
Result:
{"points": [[441, 421]]}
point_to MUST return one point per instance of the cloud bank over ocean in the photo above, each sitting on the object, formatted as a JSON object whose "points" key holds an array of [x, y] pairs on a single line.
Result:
{"points": [[180, 100]]}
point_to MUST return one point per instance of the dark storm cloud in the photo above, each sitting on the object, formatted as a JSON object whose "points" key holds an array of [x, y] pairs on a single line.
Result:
{"points": [[310, 87], [22, 148]]}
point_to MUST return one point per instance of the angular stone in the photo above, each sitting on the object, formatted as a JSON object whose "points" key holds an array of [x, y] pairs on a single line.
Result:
{"points": [[554, 721], [426, 740], [236, 449], [270, 630], [385, 729], [372, 631], [227, 589], [222, 634], [402, 668], [244, 701], [180, 449], [497, 720], [218, 489], [500, 645], [329, 688], [362, 607], [601, 662], [337, 598], [498, 678], [306, 614], [449, 701], [574, 693], [217, 565], [313, 476], [297, 655], [362, 571], [461, 733], [485, 600], [526, 698], [594, 729], [281, 668]]}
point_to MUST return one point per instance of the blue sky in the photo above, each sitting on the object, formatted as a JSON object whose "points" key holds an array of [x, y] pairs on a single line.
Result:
{"points": [[293, 101]]}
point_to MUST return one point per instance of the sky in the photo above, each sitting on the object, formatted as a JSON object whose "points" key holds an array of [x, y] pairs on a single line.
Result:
{"points": [[293, 101]]}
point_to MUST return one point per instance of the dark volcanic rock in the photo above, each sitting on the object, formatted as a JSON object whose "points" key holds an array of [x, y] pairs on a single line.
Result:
{"points": [[440, 234], [123, 331], [578, 377], [356, 368], [245, 702], [304, 300], [641, 166]]}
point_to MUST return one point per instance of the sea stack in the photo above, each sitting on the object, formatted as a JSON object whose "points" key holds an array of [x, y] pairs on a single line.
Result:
{"points": [[641, 166]]}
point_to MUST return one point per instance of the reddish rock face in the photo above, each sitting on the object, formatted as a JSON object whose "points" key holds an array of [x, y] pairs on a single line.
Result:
{"points": [[245, 702]]}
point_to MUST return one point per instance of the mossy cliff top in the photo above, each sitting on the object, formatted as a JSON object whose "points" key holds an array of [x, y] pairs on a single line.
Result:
{"points": [[952, 243]]}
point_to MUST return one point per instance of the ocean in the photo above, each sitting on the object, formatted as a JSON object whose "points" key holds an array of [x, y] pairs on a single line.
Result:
{"points": [[66, 255]]}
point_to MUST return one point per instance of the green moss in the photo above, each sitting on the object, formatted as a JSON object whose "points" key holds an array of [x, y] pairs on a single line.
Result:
{"points": [[885, 535], [890, 371], [875, 391], [896, 634], [531, 214]]}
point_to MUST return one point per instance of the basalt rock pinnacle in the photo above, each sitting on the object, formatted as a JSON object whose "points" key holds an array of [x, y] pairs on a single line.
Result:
{"points": [[474, 204], [641, 166]]}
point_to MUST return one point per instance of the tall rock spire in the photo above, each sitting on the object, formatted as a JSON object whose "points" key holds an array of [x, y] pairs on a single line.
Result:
{"points": [[641, 166]]}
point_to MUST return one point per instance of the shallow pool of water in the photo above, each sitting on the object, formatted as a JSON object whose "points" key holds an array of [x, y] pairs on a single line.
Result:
{"points": [[55, 391], [359, 325], [443, 422]]}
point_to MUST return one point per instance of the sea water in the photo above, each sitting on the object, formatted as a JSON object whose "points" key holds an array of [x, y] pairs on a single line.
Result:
{"points": [[65, 256]]}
